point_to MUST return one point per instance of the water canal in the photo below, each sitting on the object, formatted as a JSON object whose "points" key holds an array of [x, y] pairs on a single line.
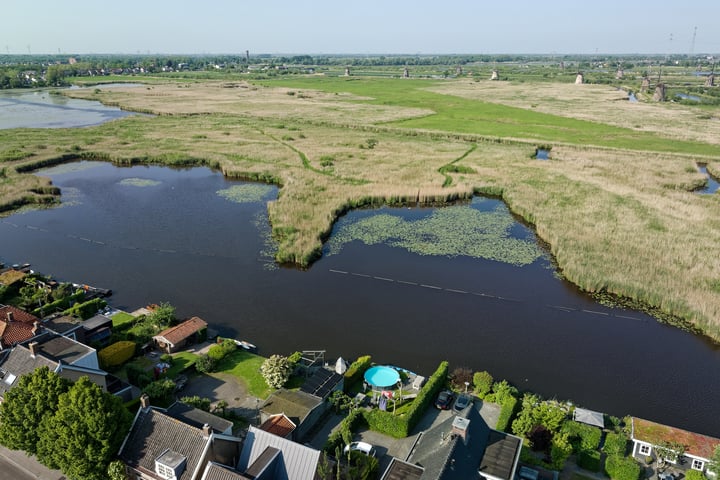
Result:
{"points": [[194, 238]]}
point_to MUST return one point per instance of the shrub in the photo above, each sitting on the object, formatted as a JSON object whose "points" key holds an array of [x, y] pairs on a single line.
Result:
{"points": [[137, 375], [509, 406], [198, 402], [502, 390], [205, 364], [276, 371], [622, 468], [482, 381], [160, 391], [355, 372], [460, 376], [615, 444], [349, 423], [582, 436], [216, 353], [589, 460], [694, 475], [116, 354], [167, 358], [560, 450]]}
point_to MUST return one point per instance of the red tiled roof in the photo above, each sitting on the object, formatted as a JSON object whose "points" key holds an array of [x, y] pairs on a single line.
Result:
{"points": [[21, 328], [183, 330], [279, 425], [695, 444], [17, 314]]}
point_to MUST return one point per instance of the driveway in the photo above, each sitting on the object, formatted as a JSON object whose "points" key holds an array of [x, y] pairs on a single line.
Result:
{"points": [[223, 386]]}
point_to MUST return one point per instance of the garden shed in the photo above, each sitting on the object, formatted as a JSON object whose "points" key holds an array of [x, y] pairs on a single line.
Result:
{"points": [[596, 419]]}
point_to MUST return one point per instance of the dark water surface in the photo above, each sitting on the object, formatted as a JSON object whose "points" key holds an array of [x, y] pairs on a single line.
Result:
{"points": [[40, 109], [177, 240]]}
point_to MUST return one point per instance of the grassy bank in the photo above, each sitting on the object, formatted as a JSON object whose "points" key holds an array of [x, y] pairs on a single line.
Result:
{"points": [[614, 201]]}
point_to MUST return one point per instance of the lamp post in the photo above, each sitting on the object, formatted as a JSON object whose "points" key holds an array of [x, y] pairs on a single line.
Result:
{"points": [[466, 385]]}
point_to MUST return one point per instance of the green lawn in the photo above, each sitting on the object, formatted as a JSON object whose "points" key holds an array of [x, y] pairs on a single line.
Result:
{"points": [[181, 361], [460, 115], [121, 318], [246, 367]]}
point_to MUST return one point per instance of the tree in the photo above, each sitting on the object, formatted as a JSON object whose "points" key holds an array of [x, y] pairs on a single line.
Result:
{"points": [[560, 450], [163, 316], [276, 371], [85, 433], [461, 377], [205, 363], [669, 451], [714, 464], [160, 391], [482, 381], [27, 406], [116, 470]]}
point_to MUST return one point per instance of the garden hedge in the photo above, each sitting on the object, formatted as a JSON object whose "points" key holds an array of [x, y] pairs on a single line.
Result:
{"points": [[615, 444], [589, 460], [582, 437], [507, 411], [622, 468], [355, 372], [116, 354]]}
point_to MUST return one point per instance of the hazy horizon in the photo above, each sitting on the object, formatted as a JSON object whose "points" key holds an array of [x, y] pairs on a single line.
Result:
{"points": [[276, 27]]}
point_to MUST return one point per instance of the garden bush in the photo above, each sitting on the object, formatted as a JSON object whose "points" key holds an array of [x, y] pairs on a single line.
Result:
{"points": [[205, 364], [582, 437], [622, 468], [615, 444], [355, 372], [695, 475], [160, 391], [353, 420], [482, 381], [589, 460]]}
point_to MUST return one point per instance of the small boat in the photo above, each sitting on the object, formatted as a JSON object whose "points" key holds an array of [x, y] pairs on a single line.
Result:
{"points": [[246, 345]]}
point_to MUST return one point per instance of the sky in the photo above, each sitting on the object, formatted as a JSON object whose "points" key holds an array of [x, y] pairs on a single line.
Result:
{"points": [[359, 27]]}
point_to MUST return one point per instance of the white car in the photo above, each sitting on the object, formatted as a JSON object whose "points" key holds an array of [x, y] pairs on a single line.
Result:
{"points": [[363, 447]]}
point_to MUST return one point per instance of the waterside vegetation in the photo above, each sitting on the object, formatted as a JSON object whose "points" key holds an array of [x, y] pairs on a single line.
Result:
{"points": [[615, 202]]}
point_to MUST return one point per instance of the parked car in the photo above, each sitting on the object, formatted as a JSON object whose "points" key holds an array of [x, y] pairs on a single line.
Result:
{"points": [[444, 400], [362, 447], [462, 402]]}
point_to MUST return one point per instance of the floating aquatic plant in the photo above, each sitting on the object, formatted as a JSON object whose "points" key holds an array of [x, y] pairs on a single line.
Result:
{"points": [[450, 232], [270, 247], [69, 168], [139, 182], [247, 193]]}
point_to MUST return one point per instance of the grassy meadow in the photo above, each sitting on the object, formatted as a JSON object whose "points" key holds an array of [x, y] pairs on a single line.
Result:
{"points": [[614, 202]]}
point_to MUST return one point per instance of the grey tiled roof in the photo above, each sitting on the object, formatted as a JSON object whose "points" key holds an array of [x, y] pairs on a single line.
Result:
{"points": [[296, 462], [215, 471], [19, 362], [153, 432], [197, 417]]}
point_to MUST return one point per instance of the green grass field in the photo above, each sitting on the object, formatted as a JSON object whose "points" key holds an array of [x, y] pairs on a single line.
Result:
{"points": [[460, 115], [246, 368]]}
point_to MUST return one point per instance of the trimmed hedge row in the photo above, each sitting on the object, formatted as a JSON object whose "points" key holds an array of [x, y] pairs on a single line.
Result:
{"points": [[87, 309], [507, 411], [622, 468], [116, 354], [355, 373], [62, 303], [348, 424], [399, 426]]}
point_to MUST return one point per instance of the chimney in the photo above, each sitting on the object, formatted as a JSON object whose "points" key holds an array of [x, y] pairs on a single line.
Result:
{"points": [[10, 317], [33, 347], [207, 430], [460, 427], [144, 401]]}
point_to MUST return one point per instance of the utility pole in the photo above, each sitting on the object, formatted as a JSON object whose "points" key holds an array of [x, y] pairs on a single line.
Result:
{"points": [[692, 44]]}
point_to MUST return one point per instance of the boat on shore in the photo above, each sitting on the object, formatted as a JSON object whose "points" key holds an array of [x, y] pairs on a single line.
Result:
{"points": [[246, 345]]}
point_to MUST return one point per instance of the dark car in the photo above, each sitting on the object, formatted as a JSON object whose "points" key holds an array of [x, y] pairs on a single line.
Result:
{"points": [[462, 402], [444, 400]]}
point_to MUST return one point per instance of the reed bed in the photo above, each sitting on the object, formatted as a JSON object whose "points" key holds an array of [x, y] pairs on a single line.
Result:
{"points": [[617, 221]]}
